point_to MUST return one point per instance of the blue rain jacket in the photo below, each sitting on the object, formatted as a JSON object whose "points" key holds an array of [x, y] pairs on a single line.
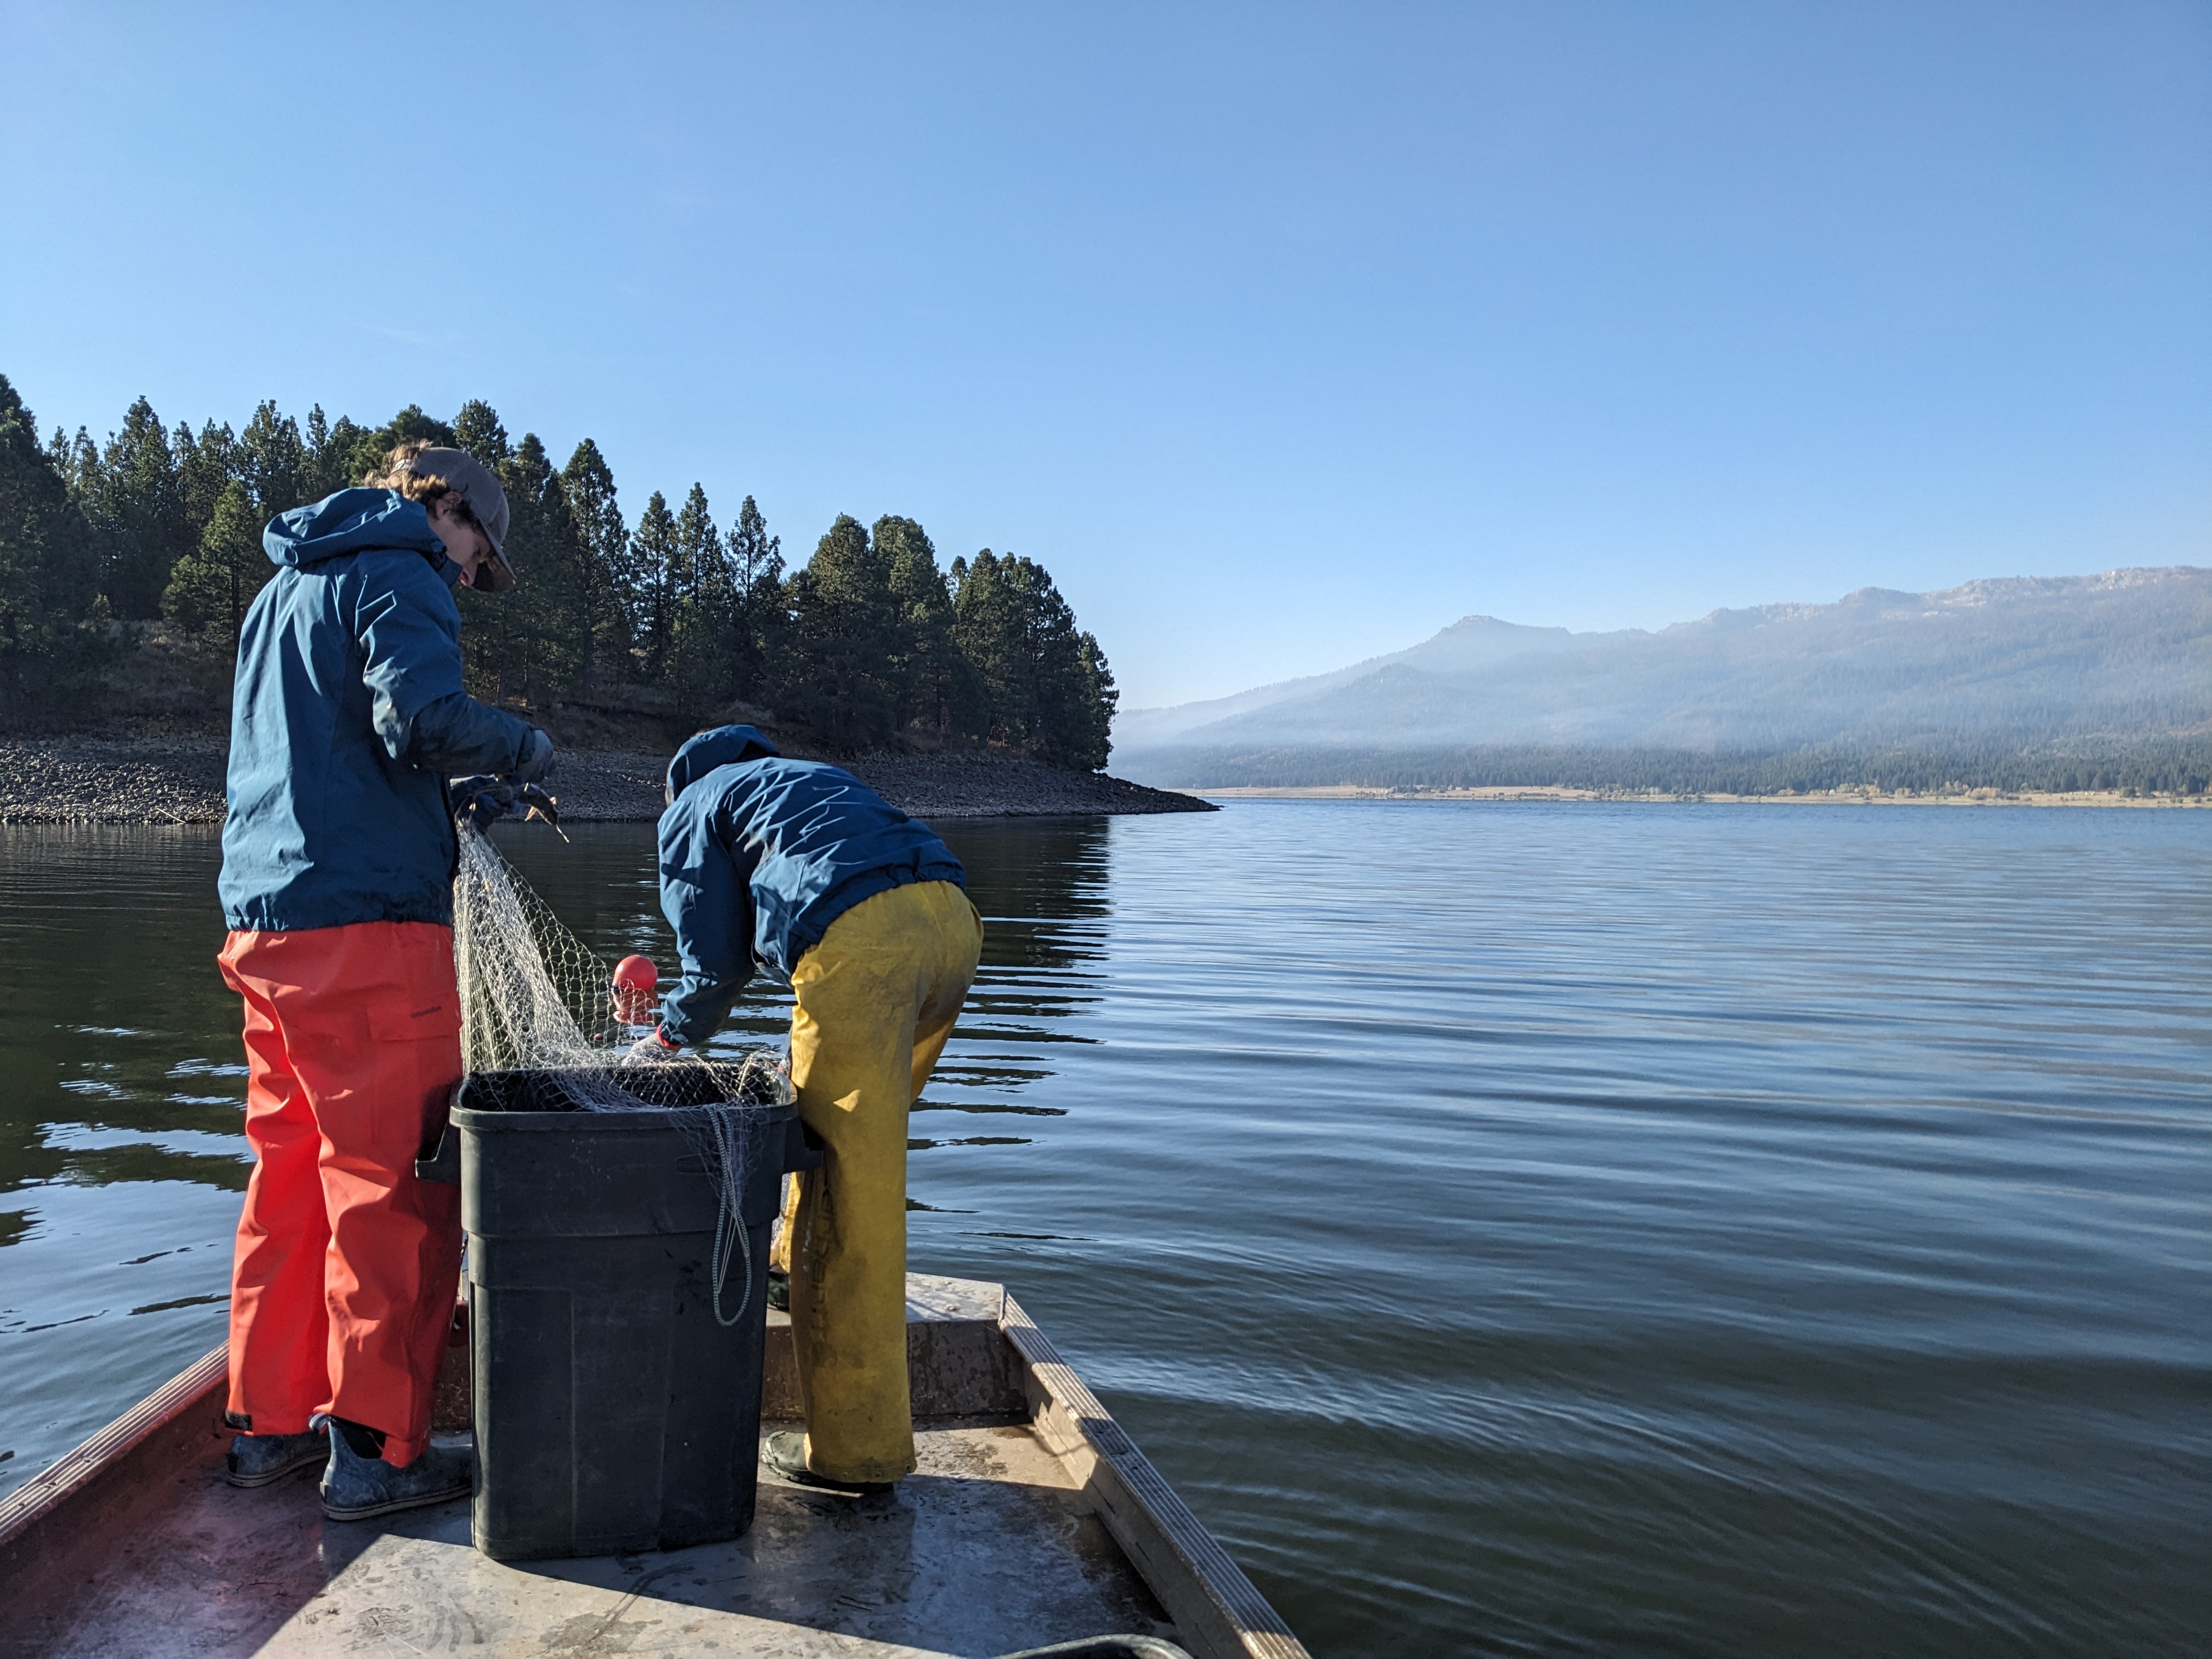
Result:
{"points": [[760, 854], [346, 719]]}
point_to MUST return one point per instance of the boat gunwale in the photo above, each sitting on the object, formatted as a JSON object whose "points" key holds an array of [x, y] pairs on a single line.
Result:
{"points": [[1217, 1611], [79, 1476]]}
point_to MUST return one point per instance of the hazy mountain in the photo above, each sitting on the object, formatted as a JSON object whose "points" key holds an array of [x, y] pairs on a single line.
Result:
{"points": [[2126, 654], [1470, 643]]}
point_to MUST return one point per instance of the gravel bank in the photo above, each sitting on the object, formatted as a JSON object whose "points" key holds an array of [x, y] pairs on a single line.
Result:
{"points": [[179, 781]]}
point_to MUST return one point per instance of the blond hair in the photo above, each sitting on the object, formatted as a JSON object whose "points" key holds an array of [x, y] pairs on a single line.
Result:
{"points": [[423, 487]]}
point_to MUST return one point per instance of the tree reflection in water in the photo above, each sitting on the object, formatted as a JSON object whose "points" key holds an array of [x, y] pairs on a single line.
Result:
{"points": [[1040, 884]]}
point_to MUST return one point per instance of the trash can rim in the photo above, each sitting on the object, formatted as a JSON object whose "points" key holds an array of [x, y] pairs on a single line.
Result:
{"points": [[643, 1117]]}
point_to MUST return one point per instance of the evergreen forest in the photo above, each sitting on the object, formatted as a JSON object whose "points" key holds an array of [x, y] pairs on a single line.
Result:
{"points": [[150, 540], [2149, 765]]}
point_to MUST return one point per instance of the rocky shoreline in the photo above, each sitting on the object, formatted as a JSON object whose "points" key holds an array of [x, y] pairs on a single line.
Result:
{"points": [[179, 781]]}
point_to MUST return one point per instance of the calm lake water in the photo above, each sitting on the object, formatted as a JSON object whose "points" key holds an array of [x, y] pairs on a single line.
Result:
{"points": [[1515, 1228]]}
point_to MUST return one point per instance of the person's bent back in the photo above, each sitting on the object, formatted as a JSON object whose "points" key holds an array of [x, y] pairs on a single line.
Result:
{"points": [[799, 866], [759, 854]]}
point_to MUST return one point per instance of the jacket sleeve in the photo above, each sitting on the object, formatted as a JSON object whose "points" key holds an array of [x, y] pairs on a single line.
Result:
{"points": [[707, 900], [411, 639]]}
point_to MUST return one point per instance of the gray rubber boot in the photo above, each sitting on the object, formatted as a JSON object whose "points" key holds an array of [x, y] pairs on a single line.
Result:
{"points": [[356, 1488], [256, 1460]]}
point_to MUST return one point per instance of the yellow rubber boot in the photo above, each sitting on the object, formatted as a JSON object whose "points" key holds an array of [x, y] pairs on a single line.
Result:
{"points": [[876, 1001]]}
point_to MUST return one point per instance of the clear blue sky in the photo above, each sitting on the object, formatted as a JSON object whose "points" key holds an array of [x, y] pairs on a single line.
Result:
{"points": [[1283, 335]]}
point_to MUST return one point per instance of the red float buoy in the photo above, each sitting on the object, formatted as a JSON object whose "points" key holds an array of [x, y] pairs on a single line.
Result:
{"points": [[634, 979]]}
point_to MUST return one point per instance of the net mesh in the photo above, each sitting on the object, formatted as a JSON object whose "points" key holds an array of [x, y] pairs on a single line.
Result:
{"points": [[536, 998]]}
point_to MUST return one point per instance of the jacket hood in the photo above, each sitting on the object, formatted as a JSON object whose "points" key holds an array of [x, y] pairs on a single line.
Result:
{"points": [[352, 521], [725, 745]]}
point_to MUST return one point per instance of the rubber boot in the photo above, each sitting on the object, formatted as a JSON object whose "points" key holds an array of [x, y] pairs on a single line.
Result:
{"points": [[256, 1460], [359, 1484], [786, 1454]]}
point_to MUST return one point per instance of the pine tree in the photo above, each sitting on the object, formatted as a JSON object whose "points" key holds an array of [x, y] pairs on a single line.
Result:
{"points": [[138, 513], [1091, 738], [1046, 691], [703, 609], [316, 444], [987, 628], [477, 429], [272, 461], [603, 544], [205, 467], [570, 580], [934, 680], [845, 642], [652, 560], [697, 552], [761, 624], [332, 449], [411, 425], [212, 585], [372, 452], [526, 643], [48, 573], [77, 460]]}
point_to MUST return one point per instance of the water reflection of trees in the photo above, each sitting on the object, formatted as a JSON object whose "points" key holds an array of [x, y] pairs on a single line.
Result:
{"points": [[1040, 884], [122, 1043], [120, 1039]]}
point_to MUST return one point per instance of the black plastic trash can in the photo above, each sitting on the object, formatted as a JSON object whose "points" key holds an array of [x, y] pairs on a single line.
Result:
{"points": [[613, 1410]]}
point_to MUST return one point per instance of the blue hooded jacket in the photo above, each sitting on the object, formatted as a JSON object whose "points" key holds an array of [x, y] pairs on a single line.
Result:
{"points": [[760, 854], [346, 719]]}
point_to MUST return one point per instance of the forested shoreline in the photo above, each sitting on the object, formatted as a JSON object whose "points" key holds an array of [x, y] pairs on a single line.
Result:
{"points": [[2148, 766], [149, 542]]}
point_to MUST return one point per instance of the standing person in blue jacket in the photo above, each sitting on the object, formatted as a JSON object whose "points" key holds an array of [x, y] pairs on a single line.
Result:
{"points": [[338, 855], [800, 867]]}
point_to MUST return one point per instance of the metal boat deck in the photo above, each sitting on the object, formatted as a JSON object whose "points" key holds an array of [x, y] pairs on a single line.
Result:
{"points": [[1032, 1520]]}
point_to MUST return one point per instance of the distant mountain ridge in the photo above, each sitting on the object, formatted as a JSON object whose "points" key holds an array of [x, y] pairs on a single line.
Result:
{"points": [[1469, 643], [2126, 655]]}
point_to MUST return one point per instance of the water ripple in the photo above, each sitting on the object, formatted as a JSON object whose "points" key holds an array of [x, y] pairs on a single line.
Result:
{"points": [[1515, 1229]]}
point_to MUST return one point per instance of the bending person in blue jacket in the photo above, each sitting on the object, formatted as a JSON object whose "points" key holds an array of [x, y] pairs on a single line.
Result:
{"points": [[801, 867]]}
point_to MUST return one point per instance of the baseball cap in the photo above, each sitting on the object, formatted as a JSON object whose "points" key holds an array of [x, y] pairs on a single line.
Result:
{"points": [[486, 500]]}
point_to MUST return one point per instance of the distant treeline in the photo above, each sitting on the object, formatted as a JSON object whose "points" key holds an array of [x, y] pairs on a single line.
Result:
{"points": [[2144, 766], [869, 643]]}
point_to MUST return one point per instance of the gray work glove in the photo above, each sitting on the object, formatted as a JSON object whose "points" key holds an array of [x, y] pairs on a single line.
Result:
{"points": [[653, 1049], [535, 765]]}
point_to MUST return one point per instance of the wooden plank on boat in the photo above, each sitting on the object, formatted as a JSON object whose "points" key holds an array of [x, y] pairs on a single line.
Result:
{"points": [[1219, 1612]]}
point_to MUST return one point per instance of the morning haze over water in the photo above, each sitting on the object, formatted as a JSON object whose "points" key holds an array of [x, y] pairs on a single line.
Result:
{"points": [[1629, 1228]]}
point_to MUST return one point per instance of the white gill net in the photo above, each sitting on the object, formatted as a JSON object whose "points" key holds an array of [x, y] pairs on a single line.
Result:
{"points": [[539, 1025]]}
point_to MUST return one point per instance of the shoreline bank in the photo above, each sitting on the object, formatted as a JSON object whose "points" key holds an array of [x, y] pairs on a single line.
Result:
{"points": [[1829, 797], [122, 781]]}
